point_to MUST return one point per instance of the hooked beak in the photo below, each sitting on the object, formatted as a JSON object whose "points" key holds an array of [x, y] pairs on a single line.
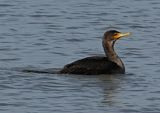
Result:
{"points": [[119, 35]]}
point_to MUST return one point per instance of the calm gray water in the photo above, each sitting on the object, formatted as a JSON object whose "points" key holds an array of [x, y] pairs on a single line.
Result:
{"points": [[51, 33]]}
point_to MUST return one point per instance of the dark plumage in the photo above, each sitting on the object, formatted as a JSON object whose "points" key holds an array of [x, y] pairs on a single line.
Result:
{"points": [[109, 64], [92, 66]]}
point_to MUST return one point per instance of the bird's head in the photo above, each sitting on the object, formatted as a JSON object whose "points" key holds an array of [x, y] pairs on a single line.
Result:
{"points": [[113, 35]]}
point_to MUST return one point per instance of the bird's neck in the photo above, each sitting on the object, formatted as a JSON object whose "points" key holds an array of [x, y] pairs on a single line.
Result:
{"points": [[111, 54]]}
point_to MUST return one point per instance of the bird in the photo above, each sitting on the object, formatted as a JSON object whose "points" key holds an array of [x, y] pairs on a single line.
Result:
{"points": [[110, 63]]}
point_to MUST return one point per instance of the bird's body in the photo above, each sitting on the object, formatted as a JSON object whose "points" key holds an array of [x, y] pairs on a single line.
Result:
{"points": [[93, 66], [109, 64]]}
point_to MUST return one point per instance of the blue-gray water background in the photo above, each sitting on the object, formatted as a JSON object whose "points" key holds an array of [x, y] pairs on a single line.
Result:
{"points": [[52, 33]]}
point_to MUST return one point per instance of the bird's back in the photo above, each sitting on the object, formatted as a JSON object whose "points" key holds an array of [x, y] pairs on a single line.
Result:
{"points": [[92, 66]]}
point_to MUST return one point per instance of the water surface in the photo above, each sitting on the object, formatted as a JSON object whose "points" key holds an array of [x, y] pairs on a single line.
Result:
{"points": [[52, 33]]}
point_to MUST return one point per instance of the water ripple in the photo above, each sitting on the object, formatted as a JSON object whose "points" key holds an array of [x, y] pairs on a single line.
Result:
{"points": [[49, 34]]}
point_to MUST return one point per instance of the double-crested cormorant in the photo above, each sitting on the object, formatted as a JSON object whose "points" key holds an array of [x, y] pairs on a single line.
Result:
{"points": [[109, 64]]}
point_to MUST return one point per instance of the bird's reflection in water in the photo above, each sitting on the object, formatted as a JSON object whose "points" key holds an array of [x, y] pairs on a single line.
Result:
{"points": [[111, 84], [102, 87]]}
